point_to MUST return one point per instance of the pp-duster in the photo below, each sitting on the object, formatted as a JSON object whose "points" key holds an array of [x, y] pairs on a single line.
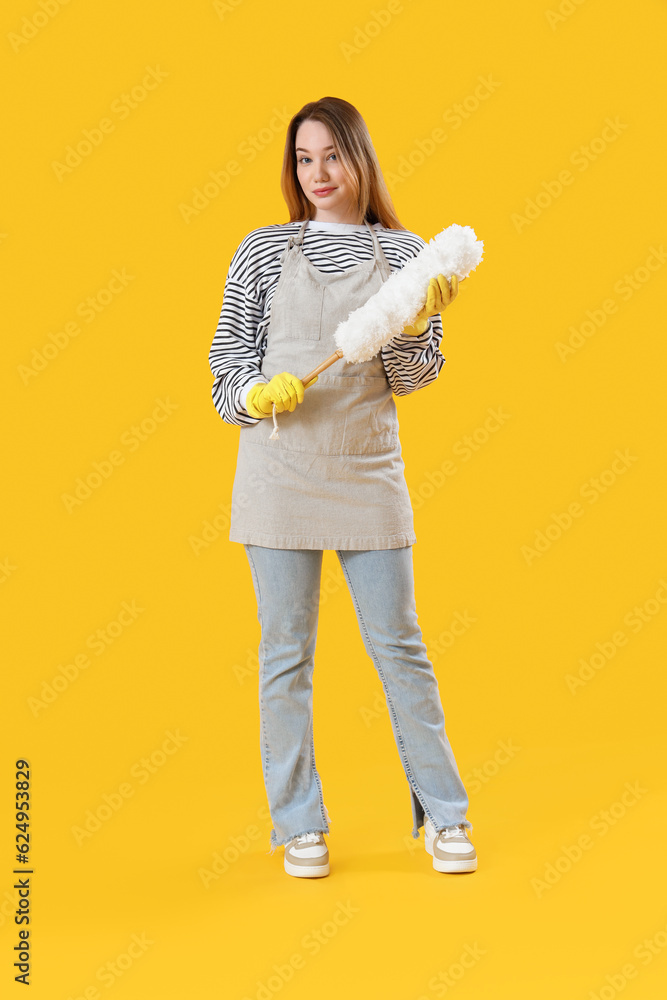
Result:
{"points": [[454, 250]]}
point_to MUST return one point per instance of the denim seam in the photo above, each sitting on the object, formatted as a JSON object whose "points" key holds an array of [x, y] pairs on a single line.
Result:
{"points": [[312, 734], [265, 742], [274, 843], [317, 778], [390, 703]]}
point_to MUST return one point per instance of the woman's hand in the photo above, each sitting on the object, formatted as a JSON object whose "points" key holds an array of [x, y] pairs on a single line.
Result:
{"points": [[284, 391], [439, 295]]}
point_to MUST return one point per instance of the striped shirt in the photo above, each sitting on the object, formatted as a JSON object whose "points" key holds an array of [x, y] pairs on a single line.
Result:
{"points": [[239, 344]]}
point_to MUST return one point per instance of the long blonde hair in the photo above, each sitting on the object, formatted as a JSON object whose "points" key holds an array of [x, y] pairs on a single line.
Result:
{"points": [[358, 159]]}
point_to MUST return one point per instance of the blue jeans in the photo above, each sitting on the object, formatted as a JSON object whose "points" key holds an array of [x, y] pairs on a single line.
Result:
{"points": [[381, 583]]}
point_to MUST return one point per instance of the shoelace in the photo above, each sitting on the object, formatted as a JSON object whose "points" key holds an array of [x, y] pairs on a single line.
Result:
{"points": [[451, 831], [309, 838]]}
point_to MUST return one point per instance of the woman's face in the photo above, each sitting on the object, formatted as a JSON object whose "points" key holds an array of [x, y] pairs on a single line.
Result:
{"points": [[321, 175]]}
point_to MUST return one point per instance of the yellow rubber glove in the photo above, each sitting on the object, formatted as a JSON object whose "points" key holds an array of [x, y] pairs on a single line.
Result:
{"points": [[439, 295], [284, 391]]}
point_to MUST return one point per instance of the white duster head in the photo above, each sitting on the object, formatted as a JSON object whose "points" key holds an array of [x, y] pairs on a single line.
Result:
{"points": [[455, 250]]}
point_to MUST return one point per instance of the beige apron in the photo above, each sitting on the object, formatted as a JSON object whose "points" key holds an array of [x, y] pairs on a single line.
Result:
{"points": [[334, 478]]}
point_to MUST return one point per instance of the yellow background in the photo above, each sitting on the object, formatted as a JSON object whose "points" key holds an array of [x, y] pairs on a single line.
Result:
{"points": [[390, 926]]}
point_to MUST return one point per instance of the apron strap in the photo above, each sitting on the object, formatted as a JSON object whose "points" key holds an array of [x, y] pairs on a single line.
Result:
{"points": [[380, 258], [293, 241], [377, 249], [298, 239]]}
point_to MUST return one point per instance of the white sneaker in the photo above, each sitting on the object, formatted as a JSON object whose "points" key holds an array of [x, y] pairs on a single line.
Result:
{"points": [[307, 856], [450, 848]]}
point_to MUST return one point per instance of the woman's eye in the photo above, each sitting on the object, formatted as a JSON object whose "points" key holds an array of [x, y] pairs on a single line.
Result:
{"points": [[303, 158]]}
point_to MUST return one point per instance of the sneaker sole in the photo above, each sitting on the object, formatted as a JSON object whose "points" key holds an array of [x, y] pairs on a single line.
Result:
{"points": [[453, 866], [306, 871]]}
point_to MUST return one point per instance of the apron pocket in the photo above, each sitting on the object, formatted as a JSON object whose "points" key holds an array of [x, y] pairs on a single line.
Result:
{"points": [[339, 416], [296, 312]]}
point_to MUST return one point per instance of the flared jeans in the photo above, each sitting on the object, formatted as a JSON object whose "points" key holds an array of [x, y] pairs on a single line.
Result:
{"points": [[381, 584]]}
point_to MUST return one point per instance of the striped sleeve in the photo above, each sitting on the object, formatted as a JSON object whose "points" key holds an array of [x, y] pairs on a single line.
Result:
{"points": [[414, 362], [238, 345]]}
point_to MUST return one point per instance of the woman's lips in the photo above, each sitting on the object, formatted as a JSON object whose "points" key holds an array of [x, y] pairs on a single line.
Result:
{"points": [[323, 191]]}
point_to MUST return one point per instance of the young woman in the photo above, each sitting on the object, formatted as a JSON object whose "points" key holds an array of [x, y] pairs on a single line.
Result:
{"points": [[334, 477]]}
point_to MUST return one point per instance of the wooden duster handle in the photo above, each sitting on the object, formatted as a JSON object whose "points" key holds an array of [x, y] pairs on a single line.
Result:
{"points": [[320, 368]]}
